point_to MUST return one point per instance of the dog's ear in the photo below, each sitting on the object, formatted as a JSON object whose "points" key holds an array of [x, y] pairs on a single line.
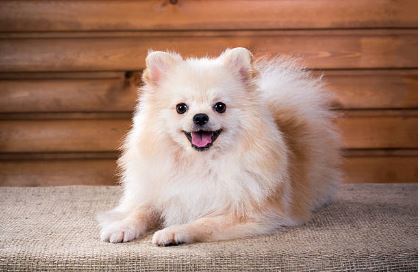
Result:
{"points": [[158, 64], [239, 60]]}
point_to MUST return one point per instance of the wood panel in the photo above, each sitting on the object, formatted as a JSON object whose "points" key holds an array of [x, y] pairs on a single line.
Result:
{"points": [[126, 51], [353, 90], [64, 75], [152, 15], [373, 89], [378, 130], [67, 86], [67, 95], [48, 172], [383, 168], [58, 172], [398, 129], [62, 135]]}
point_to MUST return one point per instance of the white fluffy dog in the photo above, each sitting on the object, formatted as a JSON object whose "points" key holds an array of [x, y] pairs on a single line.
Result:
{"points": [[223, 148]]}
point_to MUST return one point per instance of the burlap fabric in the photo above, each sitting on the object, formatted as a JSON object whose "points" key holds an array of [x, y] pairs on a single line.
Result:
{"points": [[369, 227]]}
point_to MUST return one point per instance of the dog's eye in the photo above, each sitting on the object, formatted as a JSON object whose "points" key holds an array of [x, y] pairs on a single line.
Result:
{"points": [[181, 108], [219, 107]]}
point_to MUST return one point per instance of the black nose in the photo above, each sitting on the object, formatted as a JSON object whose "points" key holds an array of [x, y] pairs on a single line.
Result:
{"points": [[200, 119]]}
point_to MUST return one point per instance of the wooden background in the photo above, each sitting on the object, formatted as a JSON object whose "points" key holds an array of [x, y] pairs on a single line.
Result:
{"points": [[69, 71]]}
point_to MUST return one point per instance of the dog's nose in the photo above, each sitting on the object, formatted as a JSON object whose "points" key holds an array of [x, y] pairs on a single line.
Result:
{"points": [[200, 119]]}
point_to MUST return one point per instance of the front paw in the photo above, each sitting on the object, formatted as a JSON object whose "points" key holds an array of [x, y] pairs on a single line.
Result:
{"points": [[121, 232], [172, 236]]}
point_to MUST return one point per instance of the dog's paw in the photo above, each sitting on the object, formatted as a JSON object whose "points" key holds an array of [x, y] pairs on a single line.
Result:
{"points": [[121, 232], [172, 236]]}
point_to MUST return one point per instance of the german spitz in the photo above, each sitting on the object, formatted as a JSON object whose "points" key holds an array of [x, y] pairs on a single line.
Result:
{"points": [[224, 148]]}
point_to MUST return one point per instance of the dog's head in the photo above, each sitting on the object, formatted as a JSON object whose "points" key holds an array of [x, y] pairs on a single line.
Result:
{"points": [[200, 104]]}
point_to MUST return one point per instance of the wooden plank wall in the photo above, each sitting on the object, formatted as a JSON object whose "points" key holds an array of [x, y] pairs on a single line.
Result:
{"points": [[69, 72]]}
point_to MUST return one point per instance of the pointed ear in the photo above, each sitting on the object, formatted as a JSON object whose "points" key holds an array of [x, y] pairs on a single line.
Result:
{"points": [[158, 64], [239, 60]]}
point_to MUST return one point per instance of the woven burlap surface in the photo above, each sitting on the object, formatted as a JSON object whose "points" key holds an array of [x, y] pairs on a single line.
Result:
{"points": [[369, 227]]}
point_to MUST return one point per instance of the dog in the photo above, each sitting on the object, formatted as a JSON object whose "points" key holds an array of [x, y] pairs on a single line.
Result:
{"points": [[224, 148]]}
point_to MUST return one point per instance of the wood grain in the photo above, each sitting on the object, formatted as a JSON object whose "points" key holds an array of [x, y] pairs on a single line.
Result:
{"points": [[352, 90], [50, 172], [62, 135], [373, 89], [120, 15], [363, 130], [58, 172], [126, 51], [68, 80], [63, 75], [67, 95], [384, 169]]}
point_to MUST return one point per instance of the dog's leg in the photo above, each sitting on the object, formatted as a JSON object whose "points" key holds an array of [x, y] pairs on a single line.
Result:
{"points": [[119, 227], [211, 229]]}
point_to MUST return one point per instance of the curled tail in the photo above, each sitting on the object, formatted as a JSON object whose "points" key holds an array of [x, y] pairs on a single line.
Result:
{"points": [[300, 106]]}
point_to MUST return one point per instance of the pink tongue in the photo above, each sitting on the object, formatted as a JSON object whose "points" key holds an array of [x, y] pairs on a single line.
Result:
{"points": [[201, 139]]}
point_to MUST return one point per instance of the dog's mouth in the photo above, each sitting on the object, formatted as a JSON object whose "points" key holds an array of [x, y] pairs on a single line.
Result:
{"points": [[202, 140]]}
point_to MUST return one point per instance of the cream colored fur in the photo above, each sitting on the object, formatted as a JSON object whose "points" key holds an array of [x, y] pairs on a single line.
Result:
{"points": [[276, 160]]}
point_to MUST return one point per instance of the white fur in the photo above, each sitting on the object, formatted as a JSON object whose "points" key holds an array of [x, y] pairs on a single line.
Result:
{"points": [[284, 84], [182, 185]]}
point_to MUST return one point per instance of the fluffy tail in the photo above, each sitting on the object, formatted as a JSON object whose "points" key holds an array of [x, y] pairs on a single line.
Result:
{"points": [[300, 106]]}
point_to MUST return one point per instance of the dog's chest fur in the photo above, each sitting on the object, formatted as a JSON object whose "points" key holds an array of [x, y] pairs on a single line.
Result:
{"points": [[206, 187]]}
